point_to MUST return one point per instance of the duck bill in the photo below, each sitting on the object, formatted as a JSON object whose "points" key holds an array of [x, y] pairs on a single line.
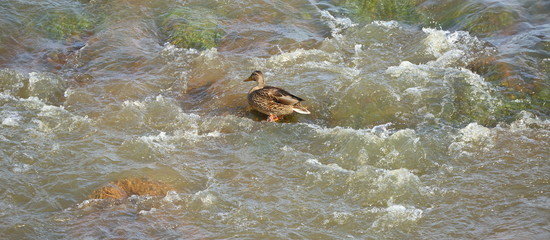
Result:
{"points": [[248, 79]]}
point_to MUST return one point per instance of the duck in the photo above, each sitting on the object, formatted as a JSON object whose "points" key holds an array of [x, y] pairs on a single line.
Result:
{"points": [[272, 101]]}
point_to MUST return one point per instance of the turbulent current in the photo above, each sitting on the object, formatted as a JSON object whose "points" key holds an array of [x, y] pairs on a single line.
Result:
{"points": [[426, 123]]}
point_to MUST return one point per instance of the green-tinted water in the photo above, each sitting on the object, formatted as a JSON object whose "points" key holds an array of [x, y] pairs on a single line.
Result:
{"points": [[429, 119]]}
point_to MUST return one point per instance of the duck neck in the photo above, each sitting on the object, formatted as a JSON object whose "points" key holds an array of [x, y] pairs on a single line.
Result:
{"points": [[260, 85]]}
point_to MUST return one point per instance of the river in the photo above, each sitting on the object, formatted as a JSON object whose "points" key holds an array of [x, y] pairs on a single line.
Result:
{"points": [[429, 119]]}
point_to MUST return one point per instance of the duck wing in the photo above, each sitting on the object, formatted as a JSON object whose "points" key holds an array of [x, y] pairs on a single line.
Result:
{"points": [[282, 96]]}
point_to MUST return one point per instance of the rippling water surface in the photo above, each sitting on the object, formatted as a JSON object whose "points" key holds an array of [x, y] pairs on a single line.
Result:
{"points": [[427, 125]]}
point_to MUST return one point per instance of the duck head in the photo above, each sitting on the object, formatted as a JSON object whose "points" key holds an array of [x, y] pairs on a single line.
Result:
{"points": [[256, 76]]}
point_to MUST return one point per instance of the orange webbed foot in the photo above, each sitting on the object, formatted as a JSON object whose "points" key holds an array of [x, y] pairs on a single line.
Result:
{"points": [[272, 118]]}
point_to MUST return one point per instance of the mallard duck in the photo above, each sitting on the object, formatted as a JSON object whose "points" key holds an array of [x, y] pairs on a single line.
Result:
{"points": [[272, 101]]}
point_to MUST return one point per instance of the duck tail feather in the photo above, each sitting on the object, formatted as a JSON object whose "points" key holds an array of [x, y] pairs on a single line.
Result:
{"points": [[301, 110]]}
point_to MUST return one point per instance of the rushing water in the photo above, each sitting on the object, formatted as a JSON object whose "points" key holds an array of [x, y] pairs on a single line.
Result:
{"points": [[422, 129]]}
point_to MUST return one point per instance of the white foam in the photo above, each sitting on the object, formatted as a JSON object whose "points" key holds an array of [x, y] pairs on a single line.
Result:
{"points": [[12, 80], [68, 92], [358, 48], [374, 134], [480, 87], [210, 54], [387, 24], [87, 203], [476, 133], [205, 198], [10, 118], [382, 130], [397, 177], [188, 124], [45, 85], [340, 130], [303, 57], [423, 82], [31, 103], [21, 168], [405, 68], [49, 110], [171, 196], [147, 212], [159, 142], [170, 49], [337, 25], [128, 103], [527, 120], [330, 167], [437, 41], [33, 79], [214, 134], [450, 47], [395, 214], [339, 218], [149, 108], [287, 148], [473, 135], [404, 212]]}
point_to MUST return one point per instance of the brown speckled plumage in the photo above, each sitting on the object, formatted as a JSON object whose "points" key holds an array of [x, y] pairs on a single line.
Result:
{"points": [[272, 101]]}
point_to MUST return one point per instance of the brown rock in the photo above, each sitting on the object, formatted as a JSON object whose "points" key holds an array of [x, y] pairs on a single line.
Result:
{"points": [[124, 188]]}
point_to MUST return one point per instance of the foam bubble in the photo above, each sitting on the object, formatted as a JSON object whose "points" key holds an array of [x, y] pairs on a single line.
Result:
{"points": [[159, 142], [394, 215], [387, 24], [21, 168], [170, 50], [209, 54], [340, 131], [382, 130], [171, 196], [406, 68], [450, 47], [308, 59], [397, 177], [528, 120], [281, 59], [437, 41], [337, 25], [205, 198], [330, 167], [147, 212], [87, 203], [472, 136], [409, 213], [475, 133], [10, 118], [339, 218], [214, 134]]}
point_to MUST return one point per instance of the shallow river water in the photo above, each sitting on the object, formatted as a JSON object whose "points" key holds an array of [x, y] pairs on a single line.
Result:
{"points": [[426, 125]]}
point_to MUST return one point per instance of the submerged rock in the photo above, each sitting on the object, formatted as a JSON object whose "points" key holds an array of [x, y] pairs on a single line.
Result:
{"points": [[491, 21], [127, 187], [478, 18], [191, 28], [62, 24], [515, 92], [400, 10]]}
